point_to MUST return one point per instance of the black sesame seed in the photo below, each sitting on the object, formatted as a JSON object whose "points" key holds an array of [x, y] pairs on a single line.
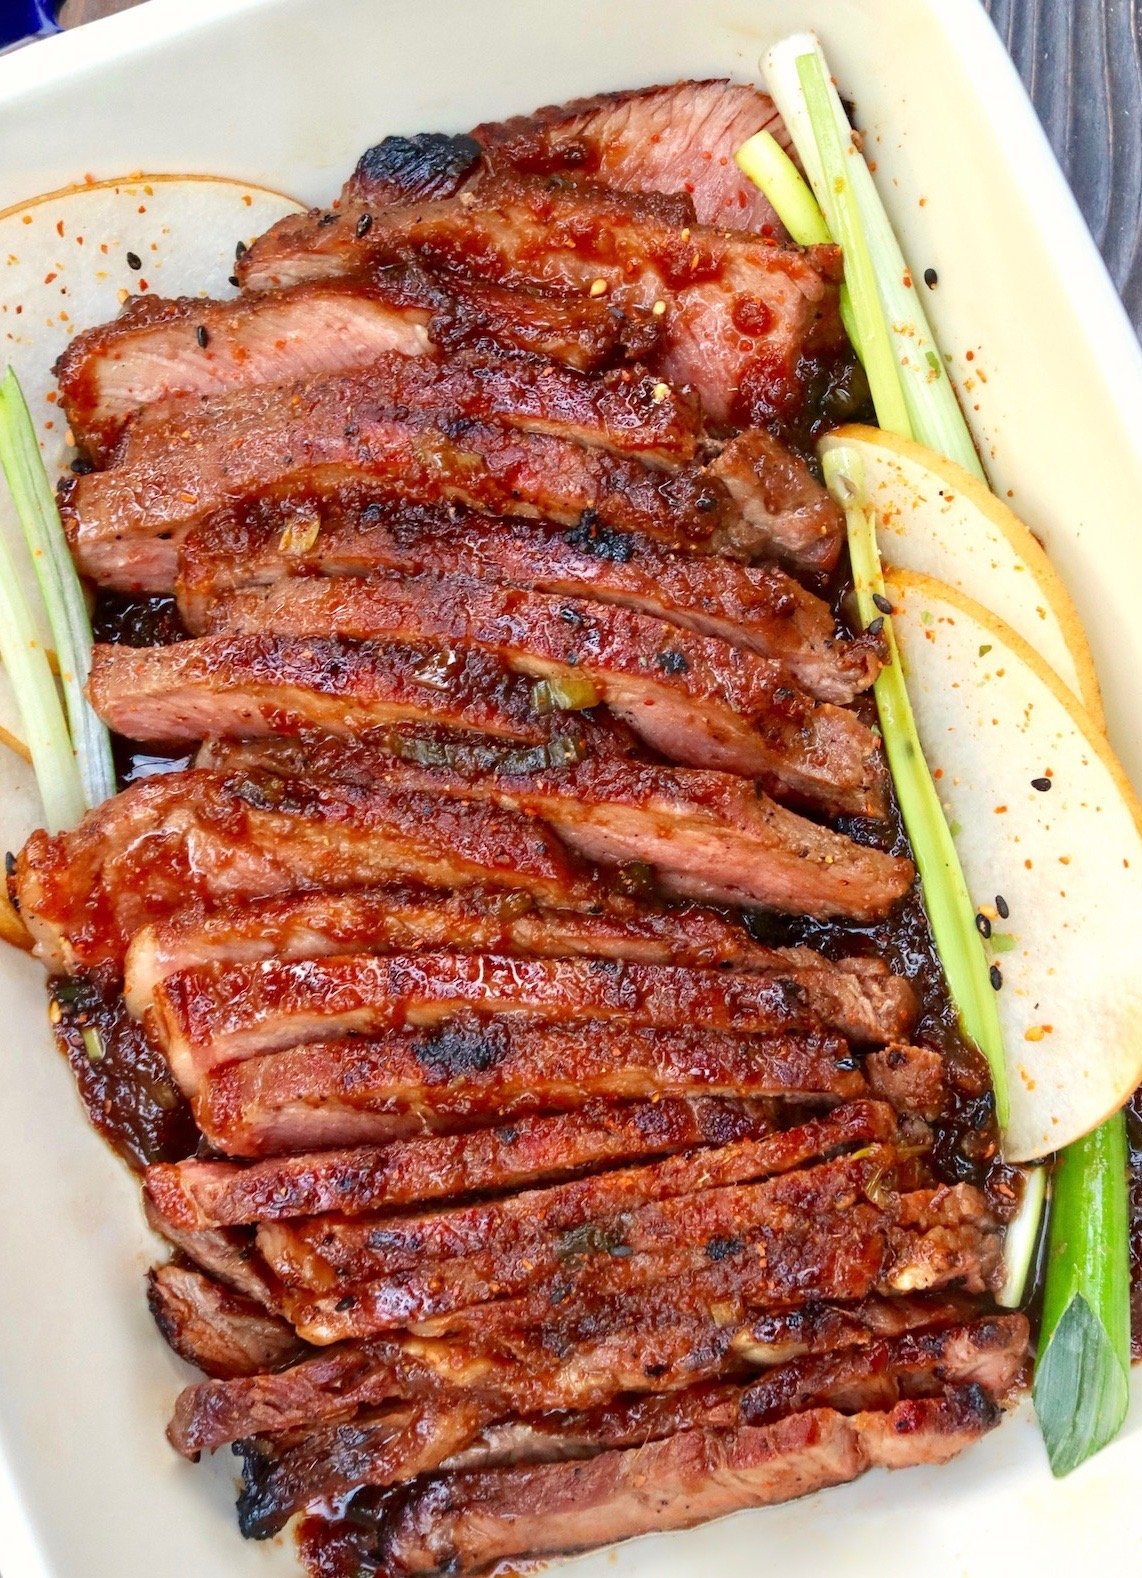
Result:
{"points": [[201, 336], [81, 467], [134, 261], [9, 863], [1042, 784], [995, 975], [876, 627], [1002, 906], [931, 278], [882, 603], [234, 280], [344, 1304], [240, 250], [983, 925], [364, 225]]}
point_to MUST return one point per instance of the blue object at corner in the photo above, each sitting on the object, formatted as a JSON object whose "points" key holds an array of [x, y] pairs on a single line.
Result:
{"points": [[20, 19]]}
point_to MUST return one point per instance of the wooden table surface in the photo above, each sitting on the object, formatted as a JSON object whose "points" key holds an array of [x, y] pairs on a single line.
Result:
{"points": [[1082, 63]]}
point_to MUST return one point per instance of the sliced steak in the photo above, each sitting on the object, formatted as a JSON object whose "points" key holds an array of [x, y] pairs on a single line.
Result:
{"points": [[704, 835], [249, 685], [470, 1522], [220, 1331], [597, 1211], [676, 138], [345, 527], [474, 1071], [213, 1014], [406, 920], [693, 698], [216, 836], [743, 317], [783, 508], [194, 1195]]}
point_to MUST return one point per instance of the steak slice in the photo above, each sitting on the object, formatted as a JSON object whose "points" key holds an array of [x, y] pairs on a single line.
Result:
{"points": [[783, 508], [406, 920], [743, 318], [349, 528], [598, 1211], [196, 1194], [217, 837], [220, 1331], [158, 350], [469, 1522], [703, 835], [693, 698], [249, 685], [214, 1014], [474, 1071], [676, 138]]}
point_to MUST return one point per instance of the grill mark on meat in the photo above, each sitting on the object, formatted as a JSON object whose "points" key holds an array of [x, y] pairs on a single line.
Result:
{"points": [[331, 1462], [345, 1092], [198, 834], [348, 529], [209, 1015], [326, 1250], [468, 1522], [573, 1371], [250, 685], [208, 1325], [706, 836], [194, 1195], [153, 352], [677, 138], [407, 920], [694, 698], [741, 312]]}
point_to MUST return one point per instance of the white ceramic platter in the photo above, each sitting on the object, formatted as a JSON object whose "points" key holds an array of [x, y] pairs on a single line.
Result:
{"points": [[287, 92]]}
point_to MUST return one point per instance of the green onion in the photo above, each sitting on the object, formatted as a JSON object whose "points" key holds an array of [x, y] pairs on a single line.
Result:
{"points": [[92, 1043], [764, 161], [59, 586], [1082, 1371], [1021, 1239], [946, 898], [565, 693], [798, 79]]}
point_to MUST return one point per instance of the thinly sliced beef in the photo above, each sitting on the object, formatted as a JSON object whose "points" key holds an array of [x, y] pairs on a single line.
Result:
{"points": [[600, 1211], [677, 138], [212, 1014], [704, 835], [693, 698], [783, 508], [216, 836], [476, 1071], [249, 685], [345, 527], [743, 317], [470, 1522], [194, 1195], [220, 1331], [406, 920]]}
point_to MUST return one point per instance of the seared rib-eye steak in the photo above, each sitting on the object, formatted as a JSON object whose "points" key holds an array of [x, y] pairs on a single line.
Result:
{"points": [[572, 1142]]}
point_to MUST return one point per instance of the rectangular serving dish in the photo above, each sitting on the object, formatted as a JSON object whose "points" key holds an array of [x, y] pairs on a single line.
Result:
{"points": [[288, 93]]}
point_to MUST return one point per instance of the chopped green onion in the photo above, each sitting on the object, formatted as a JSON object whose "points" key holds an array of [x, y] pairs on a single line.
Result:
{"points": [[1082, 1371], [764, 161], [1021, 1239], [934, 416], [564, 693], [946, 898], [59, 586], [92, 1043]]}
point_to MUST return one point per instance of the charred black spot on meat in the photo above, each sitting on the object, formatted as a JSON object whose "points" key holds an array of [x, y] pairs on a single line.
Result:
{"points": [[452, 1053], [601, 542], [408, 169]]}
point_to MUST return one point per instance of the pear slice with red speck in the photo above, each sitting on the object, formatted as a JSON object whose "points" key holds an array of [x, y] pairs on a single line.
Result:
{"points": [[64, 266], [937, 519], [1042, 815]]}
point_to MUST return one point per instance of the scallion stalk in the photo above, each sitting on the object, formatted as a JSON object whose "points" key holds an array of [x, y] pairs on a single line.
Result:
{"points": [[798, 78], [1082, 1370], [1021, 1239], [59, 586], [946, 898]]}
